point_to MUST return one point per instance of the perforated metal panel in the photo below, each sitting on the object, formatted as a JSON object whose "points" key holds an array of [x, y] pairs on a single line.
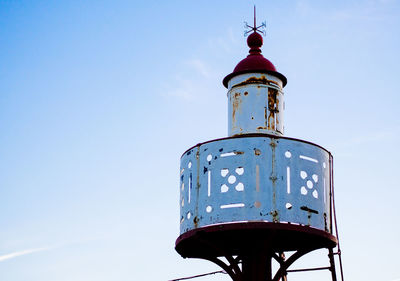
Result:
{"points": [[255, 179]]}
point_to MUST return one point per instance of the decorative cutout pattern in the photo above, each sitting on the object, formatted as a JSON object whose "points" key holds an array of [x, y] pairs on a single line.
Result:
{"points": [[235, 179]]}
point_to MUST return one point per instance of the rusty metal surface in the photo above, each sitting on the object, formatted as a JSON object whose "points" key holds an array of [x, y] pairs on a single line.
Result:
{"points": [[255, 179], [255, 105]]}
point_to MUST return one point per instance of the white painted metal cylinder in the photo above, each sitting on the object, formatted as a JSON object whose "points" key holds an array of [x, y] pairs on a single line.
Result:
{"points": [[255, 104]]}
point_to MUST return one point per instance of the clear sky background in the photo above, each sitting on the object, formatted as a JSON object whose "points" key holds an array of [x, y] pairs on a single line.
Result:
{"points": [[98, 99]]}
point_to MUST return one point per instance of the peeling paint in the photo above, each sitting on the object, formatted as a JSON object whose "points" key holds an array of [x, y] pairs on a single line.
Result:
{"points": [[273, 107], [255, 80], [236, 108]]}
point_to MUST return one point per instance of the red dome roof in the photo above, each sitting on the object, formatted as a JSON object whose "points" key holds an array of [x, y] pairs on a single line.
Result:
{"points": [[255, 61]]}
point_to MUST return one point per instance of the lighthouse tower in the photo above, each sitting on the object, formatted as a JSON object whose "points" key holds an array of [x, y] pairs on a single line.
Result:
{"points": [[256, 194]]}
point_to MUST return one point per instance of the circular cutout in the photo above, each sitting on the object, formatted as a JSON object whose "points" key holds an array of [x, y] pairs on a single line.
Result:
{"points": [[239, 171], [288, 206], [288, 154], [231, 179], [310, 184], [303, 190], [324, 165], [190, 164], [188, 215], [303, 174], [209, 157], [183, 202], [224, 172], [239, 186], [315, 178], [208, 209], [315, 194], [224, 188]]}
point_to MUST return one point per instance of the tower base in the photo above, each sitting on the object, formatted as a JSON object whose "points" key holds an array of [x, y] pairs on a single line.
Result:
{"points": [[253, 245]]}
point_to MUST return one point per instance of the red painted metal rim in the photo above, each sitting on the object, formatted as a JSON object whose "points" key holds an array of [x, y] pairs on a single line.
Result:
{"points": [[191, 243], [257, 225], [274, 73]]}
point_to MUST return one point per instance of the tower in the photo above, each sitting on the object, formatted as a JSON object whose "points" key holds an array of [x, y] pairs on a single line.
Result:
{"points": [[256, 194]]}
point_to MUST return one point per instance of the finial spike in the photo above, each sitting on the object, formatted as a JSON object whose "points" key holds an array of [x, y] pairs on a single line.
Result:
{"points": [[260, 29], [254, 26]]}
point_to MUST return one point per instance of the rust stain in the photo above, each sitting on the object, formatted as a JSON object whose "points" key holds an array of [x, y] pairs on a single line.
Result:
{"points": [[273, 105], [257, 151], [277, 107], [236, 106], [246, 93], [255, 80], [275, 216], [196, 222], [262, 128]]}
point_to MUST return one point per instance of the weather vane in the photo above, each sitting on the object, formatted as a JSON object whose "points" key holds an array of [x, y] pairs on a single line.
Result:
{"points": [[255, 28]]}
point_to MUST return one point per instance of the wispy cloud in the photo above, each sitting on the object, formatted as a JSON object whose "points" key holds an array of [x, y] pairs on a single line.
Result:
{"points": [[21, 253], [199, 77], [199, 66], [196, 78], [226, 43], [183, 88]]}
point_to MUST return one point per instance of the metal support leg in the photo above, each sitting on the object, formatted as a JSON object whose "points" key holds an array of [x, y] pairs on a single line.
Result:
{"points": [[283, 258], [332, 262], [257, 267]]}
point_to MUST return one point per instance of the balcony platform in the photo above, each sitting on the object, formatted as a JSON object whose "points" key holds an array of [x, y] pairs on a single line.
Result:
{"points": [[262, 186]]}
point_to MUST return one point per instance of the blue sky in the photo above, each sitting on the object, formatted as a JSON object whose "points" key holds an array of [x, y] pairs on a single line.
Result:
{"points": [[98, 99]]}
